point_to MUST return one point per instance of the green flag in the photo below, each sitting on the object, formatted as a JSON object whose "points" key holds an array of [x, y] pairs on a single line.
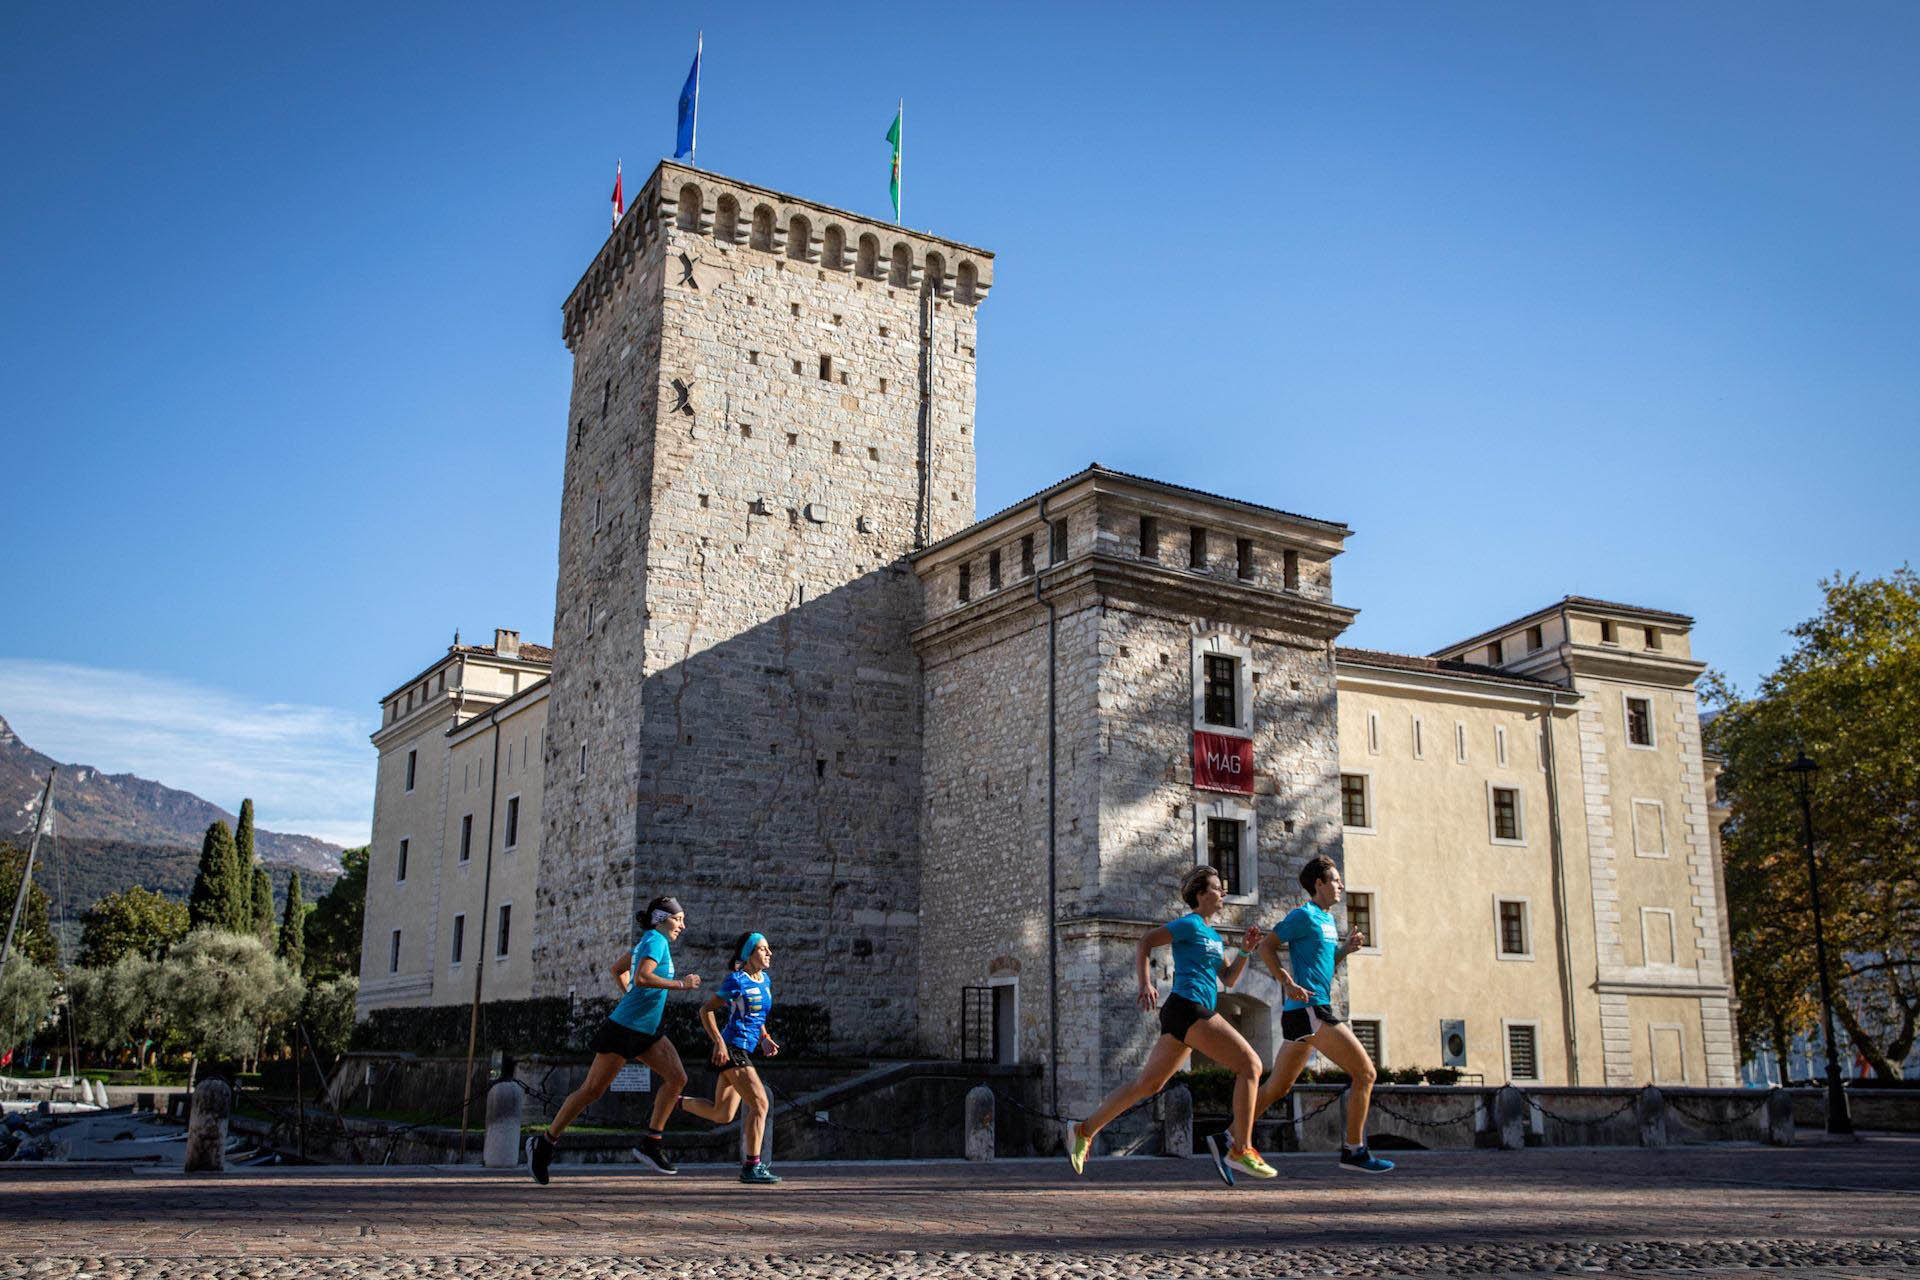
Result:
{"points": [[895, 132]]}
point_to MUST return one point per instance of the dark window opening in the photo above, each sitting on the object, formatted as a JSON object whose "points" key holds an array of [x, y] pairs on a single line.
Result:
{"points": [[506, 926], [1243, 557], [513, 821], [1506, 813], [993, 570], [1222, 690], [1639, 722], [1196, 548], [466, 837], [1223, 851], [966, 583], [1290, 568], [459, 937], [1653, 637], [1513, 928], [413, 759], [1353, 800], [1149, 537], [1026, 556], [1606, 633], [1496, 654], [1058, 547], [393, 954], [826, 368], [400, 866], [1536, 639], [1360, 916]]}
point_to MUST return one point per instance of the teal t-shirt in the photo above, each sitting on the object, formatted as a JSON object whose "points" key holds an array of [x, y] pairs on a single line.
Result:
{"points": [[640, 1009], [1312, 939], [1197, 955]]}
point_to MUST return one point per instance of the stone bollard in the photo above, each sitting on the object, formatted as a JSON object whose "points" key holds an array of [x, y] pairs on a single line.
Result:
{"points": [[506, 1102], [1651, 1111], [1176, 1122], [207, 1126], [980, 1123], [1510, 1115], [1779, 1118]]}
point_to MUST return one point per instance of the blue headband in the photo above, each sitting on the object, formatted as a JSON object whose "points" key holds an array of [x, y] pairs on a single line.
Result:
{"points": [[747, 947]]}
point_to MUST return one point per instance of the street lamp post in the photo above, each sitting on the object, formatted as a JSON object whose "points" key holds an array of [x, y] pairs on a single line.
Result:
{"points": [[1839, 1114]]}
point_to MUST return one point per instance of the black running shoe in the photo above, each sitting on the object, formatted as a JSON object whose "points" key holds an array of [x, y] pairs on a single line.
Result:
{"points": [[1218, 1145], [651, 1156], [539, 1156]]}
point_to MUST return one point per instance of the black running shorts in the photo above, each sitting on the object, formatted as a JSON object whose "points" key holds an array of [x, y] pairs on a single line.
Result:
{"points": [[1178, 1015], [1300, 1024], [737, 1057], [615, 1037]]}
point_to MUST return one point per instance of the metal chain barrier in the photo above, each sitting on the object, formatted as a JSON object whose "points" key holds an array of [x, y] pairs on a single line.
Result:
{"points": [[1717, 1122], [1587, 1121], [1379, 1104]]}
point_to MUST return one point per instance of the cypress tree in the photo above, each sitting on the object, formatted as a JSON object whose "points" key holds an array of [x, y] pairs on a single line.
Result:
{"points": [[244, 861], [211, 905], [260, 913], [293, 934]]}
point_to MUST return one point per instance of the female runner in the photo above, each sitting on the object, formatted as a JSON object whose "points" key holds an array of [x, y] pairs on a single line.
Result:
{"points": [[747, 995]]}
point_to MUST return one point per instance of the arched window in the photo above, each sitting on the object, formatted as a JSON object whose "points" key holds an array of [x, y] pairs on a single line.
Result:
{"points": [[901, 273], [966, 289], [868, 264], [935, 282], [690, 207], [726, 220], [762, 227], [799, 238], [833, 253]]}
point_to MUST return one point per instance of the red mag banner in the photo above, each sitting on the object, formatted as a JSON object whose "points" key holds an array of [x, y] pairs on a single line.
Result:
{"points": [[1221, 763]]}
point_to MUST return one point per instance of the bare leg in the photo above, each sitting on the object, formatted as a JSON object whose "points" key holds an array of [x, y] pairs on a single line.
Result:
{"points": [[1168, 1056], [605, 1067], [1215, 1037], [672, 1078], [747, 1081], [1345, 1051], [726, 1101], [1287, 1066]]}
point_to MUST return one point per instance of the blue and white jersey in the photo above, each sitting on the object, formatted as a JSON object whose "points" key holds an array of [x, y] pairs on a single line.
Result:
{"points": [[749, 1001], [1198, 953], [1313, 942]]}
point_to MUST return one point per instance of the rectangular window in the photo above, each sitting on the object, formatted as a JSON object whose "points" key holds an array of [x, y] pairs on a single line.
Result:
{"points": [[1026, 556], [1353, 800], [1496, 654], [1653, 637], [826, 368], [413, 760], [1223, 851], [1606, 633], [591, 611], [1057, 547], [1640, 722], [513, 822], [1149, 538], [459, 937], [1460, 741], [400, 866], [1196, 547], [1223, 687], [1536, 639], [393, 953], [966, 583], [1373, 733], [1243, 557], [505, 930], [1367, 1032], [1290, 569], [1523, 1062], [1500, 745], [466, 837], [1360, 916], [1513, 929], [1419, 739], [993, 570], [1506, 813], [583, 759]]}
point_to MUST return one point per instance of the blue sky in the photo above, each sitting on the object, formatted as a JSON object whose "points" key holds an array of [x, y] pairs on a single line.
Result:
{"points": [[1615, 299]]}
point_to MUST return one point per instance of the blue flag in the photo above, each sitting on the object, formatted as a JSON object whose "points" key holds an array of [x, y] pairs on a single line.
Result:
{"points": [[689, 109]]}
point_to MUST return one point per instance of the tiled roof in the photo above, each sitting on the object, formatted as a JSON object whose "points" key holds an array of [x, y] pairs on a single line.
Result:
{"points": [[1440, 667]]}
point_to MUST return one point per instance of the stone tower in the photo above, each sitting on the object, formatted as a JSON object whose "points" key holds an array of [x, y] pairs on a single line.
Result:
{"points": [[772, 408]]}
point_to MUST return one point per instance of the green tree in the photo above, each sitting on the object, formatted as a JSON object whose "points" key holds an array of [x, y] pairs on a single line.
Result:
{"points": [[293, 942], [328, 1015], [1849, 695], [333, 925], [224, 991], [121, 1003], [27, 993], [222, 897], [34, 937], [135, 921], [262, 913]]}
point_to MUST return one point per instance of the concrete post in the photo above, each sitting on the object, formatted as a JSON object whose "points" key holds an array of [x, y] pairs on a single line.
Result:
{"points": [[1779, 1118], [979, 1123], [506, 1102], [1510, 1111], [1651, 1111], [207, 1126], [1176, 1122]]}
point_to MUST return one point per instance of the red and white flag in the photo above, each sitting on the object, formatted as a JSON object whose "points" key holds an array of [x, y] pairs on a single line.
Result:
{"points": [[619, 206]]}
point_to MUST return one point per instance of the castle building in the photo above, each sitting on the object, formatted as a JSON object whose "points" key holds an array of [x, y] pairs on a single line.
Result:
{"points": [[956, 767]]}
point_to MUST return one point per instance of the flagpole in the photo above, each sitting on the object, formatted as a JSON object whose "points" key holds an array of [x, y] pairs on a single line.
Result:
{"points": [[693, 151], [901, 203]]}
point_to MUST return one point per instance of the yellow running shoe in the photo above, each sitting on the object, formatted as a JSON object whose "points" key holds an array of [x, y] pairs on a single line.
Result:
{"points": [[1247, 1160], [1077, 1146]]}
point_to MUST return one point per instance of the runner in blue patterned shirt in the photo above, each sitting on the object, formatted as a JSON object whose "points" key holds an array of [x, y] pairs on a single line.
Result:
{"points": [[747, 996]]}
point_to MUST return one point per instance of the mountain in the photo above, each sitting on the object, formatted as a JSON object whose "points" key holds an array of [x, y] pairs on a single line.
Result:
{"points": [[122, 815]]}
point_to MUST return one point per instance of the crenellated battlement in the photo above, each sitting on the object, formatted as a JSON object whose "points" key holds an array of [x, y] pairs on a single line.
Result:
{"points": [[756, 218]]}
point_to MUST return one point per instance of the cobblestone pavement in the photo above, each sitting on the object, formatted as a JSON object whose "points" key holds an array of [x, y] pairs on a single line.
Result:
{"points": [[1813, 1210]]}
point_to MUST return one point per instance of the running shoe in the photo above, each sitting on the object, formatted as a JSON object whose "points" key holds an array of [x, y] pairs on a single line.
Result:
{"points": [[1360, 1160], [757, 1174], [539, 1156], [1217, 1144], [651, 1156], [1078, 1144], [1249, 1161]]}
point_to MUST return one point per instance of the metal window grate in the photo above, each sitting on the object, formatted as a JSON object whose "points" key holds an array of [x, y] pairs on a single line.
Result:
{"points": [[977, 1038], [1353, 799], [1506, 813], [1222, 681], [1223, 851], [1521, 1055], [1367, 1032], [1513, 928]]}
